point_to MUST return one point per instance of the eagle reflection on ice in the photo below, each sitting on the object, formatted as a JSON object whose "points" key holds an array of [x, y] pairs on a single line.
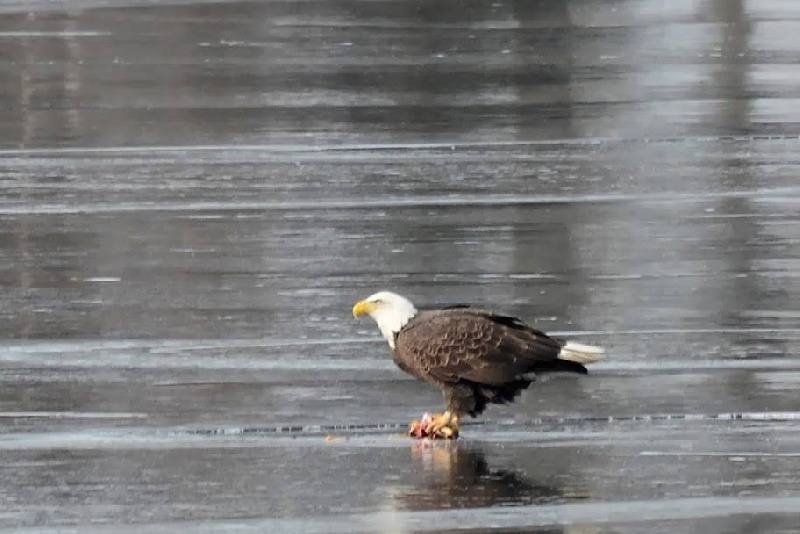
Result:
{"points": [[453, 475]]}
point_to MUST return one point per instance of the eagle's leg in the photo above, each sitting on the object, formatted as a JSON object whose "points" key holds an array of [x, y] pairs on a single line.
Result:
{"points": [[444, 425], [459, 398]]}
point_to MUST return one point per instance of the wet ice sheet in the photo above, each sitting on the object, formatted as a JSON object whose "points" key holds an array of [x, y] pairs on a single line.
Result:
{"points": [[212, 180], [394, 72], [667, 266], [547, 475], [257, 383], [193, 195]]}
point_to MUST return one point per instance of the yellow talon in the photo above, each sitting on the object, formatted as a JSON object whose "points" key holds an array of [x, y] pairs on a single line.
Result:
{"points": [[446, 432], [437, 426]]}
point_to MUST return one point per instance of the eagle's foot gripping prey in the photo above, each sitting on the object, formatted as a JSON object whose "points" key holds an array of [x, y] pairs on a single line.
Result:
{"points": [[436, 426]]}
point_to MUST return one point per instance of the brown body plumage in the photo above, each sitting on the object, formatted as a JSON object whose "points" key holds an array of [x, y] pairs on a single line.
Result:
{"points": [[475, 356]]}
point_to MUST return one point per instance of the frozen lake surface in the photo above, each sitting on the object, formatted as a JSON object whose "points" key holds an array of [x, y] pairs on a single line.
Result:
{"points": [[193, 195]]}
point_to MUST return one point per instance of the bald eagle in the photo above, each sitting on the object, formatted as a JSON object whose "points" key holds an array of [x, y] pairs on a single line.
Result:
{"points": [[477, 357]]}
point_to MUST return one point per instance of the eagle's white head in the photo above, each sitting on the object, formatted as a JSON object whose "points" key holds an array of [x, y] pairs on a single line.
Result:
{"points": [[390, 310]]}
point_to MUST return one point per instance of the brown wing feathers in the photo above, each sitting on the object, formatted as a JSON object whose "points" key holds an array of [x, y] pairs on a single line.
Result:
{"points": [[481, 356], [471, 344]]}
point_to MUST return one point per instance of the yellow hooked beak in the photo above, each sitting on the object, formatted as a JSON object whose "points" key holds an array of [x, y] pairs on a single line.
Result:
{"points": [[362, 307]]}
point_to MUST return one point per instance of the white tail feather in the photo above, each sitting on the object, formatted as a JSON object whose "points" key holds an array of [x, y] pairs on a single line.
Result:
{"points": [[580, 353]]}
